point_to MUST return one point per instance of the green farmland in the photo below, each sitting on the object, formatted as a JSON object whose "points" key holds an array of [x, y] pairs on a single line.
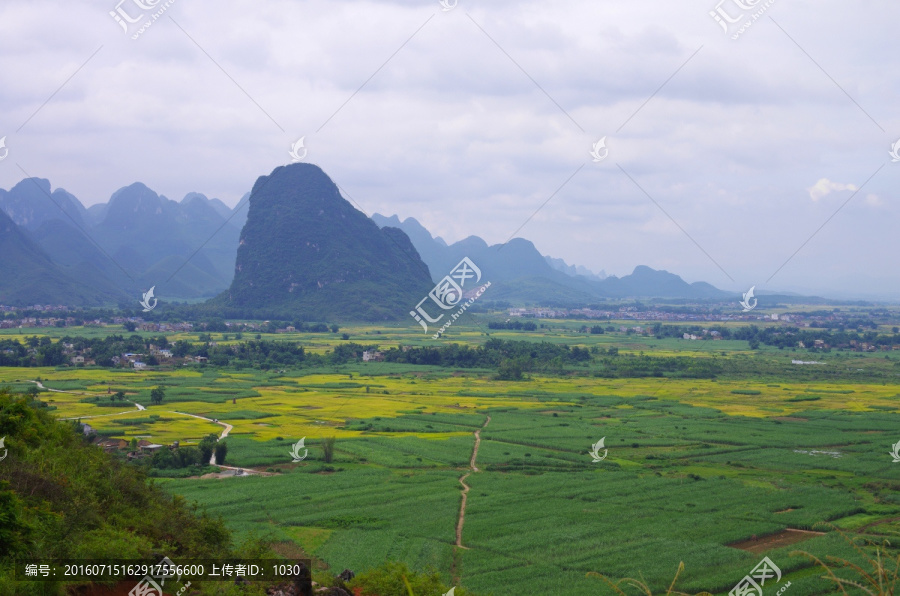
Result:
{"points": [[694, 468]]}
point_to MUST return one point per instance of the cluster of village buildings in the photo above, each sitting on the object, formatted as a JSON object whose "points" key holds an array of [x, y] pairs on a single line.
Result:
{"points": [[631, 312], [143, 448], [133, 360]]}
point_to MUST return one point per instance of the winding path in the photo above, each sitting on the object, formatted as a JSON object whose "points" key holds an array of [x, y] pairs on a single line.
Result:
{"points": [[227, 429], [41, 386], [462, 480], [212, 460]]}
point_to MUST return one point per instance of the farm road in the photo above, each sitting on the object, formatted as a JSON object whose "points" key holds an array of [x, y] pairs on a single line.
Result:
{"points": [[462, 480]]}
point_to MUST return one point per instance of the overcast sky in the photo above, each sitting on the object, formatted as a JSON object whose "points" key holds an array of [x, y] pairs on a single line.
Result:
{"points": [[725, 156]]}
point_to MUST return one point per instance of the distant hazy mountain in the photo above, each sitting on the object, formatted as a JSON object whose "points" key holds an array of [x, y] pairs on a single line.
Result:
{"points": [[28, 276], [136, 240], [306, 252], [575, 270], [240, 212], [520, 274], [30, 203], [645, 282], [196, 199], [152, 236]]}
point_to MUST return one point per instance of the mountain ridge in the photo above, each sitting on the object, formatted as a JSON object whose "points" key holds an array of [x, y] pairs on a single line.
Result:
{"points": [[519, 273]]}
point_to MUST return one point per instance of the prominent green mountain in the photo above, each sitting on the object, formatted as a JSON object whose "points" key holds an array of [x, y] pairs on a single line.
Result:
{"points": [[28, 276], [307, 252]]}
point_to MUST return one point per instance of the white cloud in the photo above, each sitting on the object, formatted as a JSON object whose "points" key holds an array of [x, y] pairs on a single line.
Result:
{"points": [[874, 200], [825, 187]]}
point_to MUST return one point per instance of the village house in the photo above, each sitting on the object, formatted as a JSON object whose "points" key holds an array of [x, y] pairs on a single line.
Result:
{"points": [[147, 447], [372, 356], [111, 445]]}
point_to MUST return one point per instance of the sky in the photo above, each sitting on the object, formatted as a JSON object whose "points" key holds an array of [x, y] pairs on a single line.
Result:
{"points": [[757, 156]]}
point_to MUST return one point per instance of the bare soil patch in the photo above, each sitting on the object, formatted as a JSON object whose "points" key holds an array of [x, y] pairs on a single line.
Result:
{"points": [[779, 540]]}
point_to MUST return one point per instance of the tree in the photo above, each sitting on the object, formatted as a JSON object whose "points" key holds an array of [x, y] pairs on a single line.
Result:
{"points": [[157, 395], [130, 326], [182, 348], [120, 396], [221, 452], [328, 449], [509, 370], [207, 446]]}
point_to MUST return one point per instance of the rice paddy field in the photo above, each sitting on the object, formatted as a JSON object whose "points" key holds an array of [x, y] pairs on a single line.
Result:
{"points": [[711, 473]]}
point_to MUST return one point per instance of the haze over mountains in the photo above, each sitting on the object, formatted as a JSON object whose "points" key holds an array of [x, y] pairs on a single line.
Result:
{"points": [[300, 248], [519, 273], [136, 240]]}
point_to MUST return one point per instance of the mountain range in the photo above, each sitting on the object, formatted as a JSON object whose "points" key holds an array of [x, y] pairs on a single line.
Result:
{"points": [[56, 251], [520, 274], [136, 240]]}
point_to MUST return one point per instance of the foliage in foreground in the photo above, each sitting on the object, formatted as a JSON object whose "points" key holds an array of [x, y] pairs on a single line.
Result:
{"points": [[394, 578], [62, 498], [882, 580], [634, 583]]}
